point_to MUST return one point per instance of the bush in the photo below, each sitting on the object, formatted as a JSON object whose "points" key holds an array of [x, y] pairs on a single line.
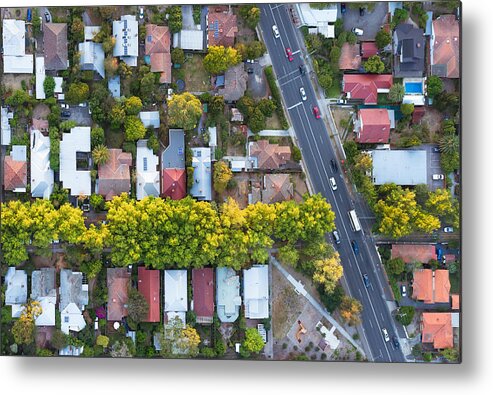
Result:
{"points": [[296, 154], [49, 86], [276, 96]]}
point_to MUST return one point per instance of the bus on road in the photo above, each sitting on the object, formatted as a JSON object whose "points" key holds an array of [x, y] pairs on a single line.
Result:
{"points": [[353, 218]]}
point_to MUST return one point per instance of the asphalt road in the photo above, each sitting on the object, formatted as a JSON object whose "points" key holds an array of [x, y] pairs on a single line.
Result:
{"points": [[317, 152]]}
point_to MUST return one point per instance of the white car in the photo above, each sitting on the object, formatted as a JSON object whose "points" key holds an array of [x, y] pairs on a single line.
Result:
{"points": [[141, 13], [275, 30], [357, 31], [303, 93], [333, 184], [385, 334], [448, 229], [438, 177]]}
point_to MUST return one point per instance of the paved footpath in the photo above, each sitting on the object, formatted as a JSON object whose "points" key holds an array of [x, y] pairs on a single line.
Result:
{"points": [[298, 286]]}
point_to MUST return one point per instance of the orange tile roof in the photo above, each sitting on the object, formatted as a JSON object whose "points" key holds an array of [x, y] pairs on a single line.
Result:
{"points": [[222, 28], [442, 286], [368, 49], [423, 285], [366, 86], [158, 39], [446, 46], [278, 188], [114, 175], [270, 156], [436, 328], [174, 183], [149, 287], [350, 58], [375, 125], [14, 174], [118, 281], [414, 253], [455, 302]]}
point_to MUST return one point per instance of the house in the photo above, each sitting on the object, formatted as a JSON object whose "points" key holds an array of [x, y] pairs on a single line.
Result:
{"points": [[147, 171], [318, 21], [149, 287], [15, 59], [235, 83], [175, 295], [42, 176], [74, 296], [15, 169], [256, 292], [150, 119], [92, 57], [373, 125], [222, 26], [75, 162], [431, 286], [202, 174], [189, 40], [228, 299], [368, 49], [16, 292], [277, 188], [350, 58], [401, 167], [157, 48], [436, 329], [409, 51], [414, 253], [203, 294], [55, 46], [174, 183], [6, 130], [126, 34], [118, 282], [40, 78], [268, 156], [445, 47], [366, 87], [43, 290], [114, 175]]}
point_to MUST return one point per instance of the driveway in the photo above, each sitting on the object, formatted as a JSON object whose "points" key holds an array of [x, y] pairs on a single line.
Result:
{"points": [[80, 115], [433, 167], [187, 14], [370, 22], [257, 83]]}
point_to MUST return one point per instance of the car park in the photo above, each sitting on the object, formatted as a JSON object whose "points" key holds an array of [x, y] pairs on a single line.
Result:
{"points": [[357, 31], [316, 112], [337, 238], [302, 93], [448, 229], [333, 165], [385, 334], [366, 280], [438, 177], [395, 342], [275, 30], [289, 54], [355, 246], [333, 183]]}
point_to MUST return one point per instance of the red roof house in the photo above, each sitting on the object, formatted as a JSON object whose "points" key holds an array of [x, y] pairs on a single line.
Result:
{"points": [[223, 26], [414, 253], [445, 47], [368, 49], [114, 175], [436, 328], [203, 294], [15, 170], [149, 288], [269, 156], [366, 87], [118, 281], [174, 183], [431, 287], [374, 125], [157, 47]]}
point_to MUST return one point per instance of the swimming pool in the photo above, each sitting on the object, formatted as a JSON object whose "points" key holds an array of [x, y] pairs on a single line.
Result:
{"points": [[413, 87]]}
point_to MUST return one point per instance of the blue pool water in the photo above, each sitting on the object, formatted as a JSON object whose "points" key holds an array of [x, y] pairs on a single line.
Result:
{"points": [[413, 87]]}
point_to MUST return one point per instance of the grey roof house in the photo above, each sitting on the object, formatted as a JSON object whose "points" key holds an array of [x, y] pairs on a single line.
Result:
{"points": [[409, 51], [228, 299], [43, 290], [16, 292], [92, 57], [202, 174], [235, 83], [55, 46], [74, 296], [174, 154]]}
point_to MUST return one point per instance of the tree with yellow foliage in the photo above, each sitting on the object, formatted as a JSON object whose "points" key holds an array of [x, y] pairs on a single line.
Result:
{"points": [[222, 175], [191, 340], [184, 111], [350, 310], [24, 328], [219, 59], [328, 272]]}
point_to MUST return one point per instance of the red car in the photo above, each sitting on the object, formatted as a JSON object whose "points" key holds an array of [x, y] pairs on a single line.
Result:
{"points": [[289, 54], [316, 112]]}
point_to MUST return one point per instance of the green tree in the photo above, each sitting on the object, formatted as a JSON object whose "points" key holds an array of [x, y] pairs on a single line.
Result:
{"points": [[138, 308], [246, 105], [219, 59], [250, 13], [77, 29], [450, 354], [221, 176], [450, 162], [175, 18], [255, 50], [97, 136], [117, 116], [91, 267], [395, 266], [77, 92], [184, 111], [325, 80], [102, 341], [383, 38], [153, 143], [374, 65], [407, 109], [134, 128], [449, 144], [216, 105], [400, 15], [405, 315], [434, 86], [335, 54], [49, 86], [59, 339], [289, 255], [100, 155], [147, 85], [296, 154], [133, 105], [396, 93], [253, 342], [19, 97], [97, 202], [256, 120], [266, 106], [177, 56], [351, 38]]}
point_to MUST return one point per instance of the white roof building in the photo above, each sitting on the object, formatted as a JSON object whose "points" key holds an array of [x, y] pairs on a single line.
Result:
{"points": [[43, 290], [14, 37], [126, 33], [40, 77], [191, 40], [175, 294], [5, 117], [74, 296], [73, 145], [318, 21], [256, 292], [18, 64], [402, 167], [92, 57], [90, 32], [147, 171], [16, 292], [202, 174], [150, 118], [58, 84], [42, 177]]}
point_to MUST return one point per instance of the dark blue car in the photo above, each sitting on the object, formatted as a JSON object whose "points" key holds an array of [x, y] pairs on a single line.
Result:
{"points": [[354, 244], [29, 15]]}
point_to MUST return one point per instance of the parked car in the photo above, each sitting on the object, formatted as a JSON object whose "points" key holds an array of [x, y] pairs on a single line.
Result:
{"points": [[438, 177], [335, 235], [366, 280], [403, 291], [275, 30], [316, 112], [385, 334], [357, 31], [65, 114], [250, 70], [289, 54], [343, 8], [303, 93], [448, 229], [333, 165], [333, 184], [395, 342], [361, 11], [64, 105], [47, 17], [86, 207], [141, 13], [355, 246]]}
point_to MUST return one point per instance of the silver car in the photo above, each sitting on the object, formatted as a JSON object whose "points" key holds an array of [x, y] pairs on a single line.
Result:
{"points": [[303, 93]]}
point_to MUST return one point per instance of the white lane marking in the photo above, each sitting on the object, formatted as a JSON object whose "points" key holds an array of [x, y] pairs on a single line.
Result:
{"points": [[295, 105], [289, 74], [370, 324], [290, 80], [296, 52]]}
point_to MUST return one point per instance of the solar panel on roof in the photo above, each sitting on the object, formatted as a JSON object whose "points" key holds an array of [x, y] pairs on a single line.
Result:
{"points": [[145, 164]]}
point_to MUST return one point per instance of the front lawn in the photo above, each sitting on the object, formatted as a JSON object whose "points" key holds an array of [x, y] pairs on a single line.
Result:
{"points": [[335, 89], [196, 78]]}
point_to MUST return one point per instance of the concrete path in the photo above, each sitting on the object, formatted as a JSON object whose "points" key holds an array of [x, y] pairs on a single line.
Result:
{"points": [[300, 289], [271, 133]]}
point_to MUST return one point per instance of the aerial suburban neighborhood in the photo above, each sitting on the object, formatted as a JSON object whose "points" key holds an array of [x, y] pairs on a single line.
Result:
{"points": [[253, 181]]}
